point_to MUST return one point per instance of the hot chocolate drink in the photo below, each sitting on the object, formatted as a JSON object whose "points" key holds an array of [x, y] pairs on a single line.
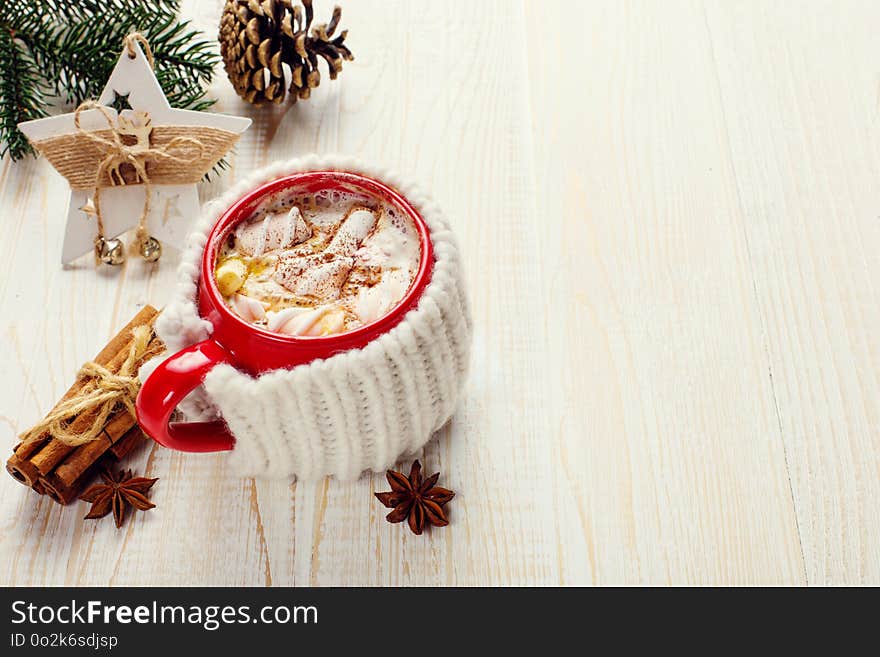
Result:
{"points": [[318, 264]]}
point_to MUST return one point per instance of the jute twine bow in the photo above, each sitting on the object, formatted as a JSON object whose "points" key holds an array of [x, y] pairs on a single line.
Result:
{"points": [[137, 155], [102, 395]]}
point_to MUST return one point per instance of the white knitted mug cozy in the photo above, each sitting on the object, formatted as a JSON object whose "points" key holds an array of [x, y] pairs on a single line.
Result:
{"points": [[355, 411]]}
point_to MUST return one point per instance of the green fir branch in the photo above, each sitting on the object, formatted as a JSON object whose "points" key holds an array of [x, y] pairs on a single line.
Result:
{"points": [[21, 94], [68, 48]]}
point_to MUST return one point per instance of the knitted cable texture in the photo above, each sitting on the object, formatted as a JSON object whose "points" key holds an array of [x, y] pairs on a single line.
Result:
{"points": [[356, 411]]}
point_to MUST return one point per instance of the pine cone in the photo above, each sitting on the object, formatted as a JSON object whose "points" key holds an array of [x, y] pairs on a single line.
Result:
{"points": [[257, 38]]}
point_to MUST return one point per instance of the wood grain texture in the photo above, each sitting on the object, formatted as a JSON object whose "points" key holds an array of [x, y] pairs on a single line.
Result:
{"points": [[668, 213], [667, 430], [801, 106]]}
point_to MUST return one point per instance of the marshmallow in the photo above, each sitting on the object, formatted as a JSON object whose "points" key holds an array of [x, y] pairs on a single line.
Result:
{"points": [[276, 231], [312, 278], [323, 320], [283, 320], [356, 278], [250, 310], [371, 303], [352, 232], [230, 275]]}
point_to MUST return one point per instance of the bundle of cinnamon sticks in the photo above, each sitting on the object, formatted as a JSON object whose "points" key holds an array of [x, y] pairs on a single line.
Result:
{"points": [[61, 471]]}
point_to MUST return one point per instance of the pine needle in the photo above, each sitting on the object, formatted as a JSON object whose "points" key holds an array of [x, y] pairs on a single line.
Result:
{"points": [[66, 49]]}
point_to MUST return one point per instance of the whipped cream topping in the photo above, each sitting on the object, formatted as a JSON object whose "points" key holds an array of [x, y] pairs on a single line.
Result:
{"points": [[248, 308], [274, 232], [319, 265]]}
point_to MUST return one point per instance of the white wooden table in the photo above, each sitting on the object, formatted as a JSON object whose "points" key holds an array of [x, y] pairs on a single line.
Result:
{"points": [[670, 215]]}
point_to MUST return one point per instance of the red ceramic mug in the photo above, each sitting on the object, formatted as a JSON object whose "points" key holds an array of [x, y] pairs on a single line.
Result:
{"points": [[250, 348]]}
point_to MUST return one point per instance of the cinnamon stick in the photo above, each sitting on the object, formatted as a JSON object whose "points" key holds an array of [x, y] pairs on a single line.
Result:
{"points": [[133, 439], [68, 480], [20, 465], [61, 492], [58, 492], [29, 462], [119, 425], [120, 343], [22, 471], [85, 456], [51, 455], [54, 452]]}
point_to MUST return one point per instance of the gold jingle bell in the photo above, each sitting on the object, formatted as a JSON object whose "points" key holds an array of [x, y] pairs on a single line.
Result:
{"points": [[111, 252], [151, 249]]}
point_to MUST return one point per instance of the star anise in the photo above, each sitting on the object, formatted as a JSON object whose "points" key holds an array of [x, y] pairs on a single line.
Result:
{"points": [[419, 502], [116, 493]]}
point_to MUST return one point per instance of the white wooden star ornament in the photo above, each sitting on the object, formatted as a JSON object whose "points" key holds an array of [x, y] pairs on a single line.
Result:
{"points": [[173, 148]]}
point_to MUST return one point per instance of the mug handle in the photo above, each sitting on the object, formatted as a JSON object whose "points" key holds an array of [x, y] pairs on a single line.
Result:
{"points": [[166, 387]]}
